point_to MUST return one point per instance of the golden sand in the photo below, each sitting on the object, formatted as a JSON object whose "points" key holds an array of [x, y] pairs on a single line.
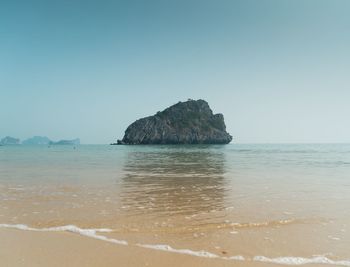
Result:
{"points": [[42, 249]]}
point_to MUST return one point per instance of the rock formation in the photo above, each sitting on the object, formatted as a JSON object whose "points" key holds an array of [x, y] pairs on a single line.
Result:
{"points": [[190, 122], [37, 140], [66, 142], [8, 140]]}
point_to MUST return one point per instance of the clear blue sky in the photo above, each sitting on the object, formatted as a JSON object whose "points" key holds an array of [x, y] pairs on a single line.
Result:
{"points": [[279, 71]]}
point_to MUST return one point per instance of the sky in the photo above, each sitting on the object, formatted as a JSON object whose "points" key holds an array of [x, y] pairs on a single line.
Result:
{"points": [[279, 71]]}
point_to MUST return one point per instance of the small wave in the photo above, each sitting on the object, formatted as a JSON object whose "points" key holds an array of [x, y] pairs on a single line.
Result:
{"points": [[302, 261], [231, 226], [69, 228], [200, 253], [279, 260], [266, 224], [249, 225], [92, 233]]}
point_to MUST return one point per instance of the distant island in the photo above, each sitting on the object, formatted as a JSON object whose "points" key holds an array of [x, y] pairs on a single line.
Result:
{"points": [[66, 142], [190, 122], [8, 140], [37, 140]]}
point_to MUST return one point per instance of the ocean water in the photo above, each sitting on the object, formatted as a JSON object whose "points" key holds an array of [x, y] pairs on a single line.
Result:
{"points": [[282, 203]]}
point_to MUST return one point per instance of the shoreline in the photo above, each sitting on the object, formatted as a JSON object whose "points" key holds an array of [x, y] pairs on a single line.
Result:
{"points": [[70, 247]]}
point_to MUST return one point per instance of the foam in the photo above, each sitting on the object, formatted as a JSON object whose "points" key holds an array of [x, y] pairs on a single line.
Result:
{"points": [[236, 258], [302, 261], [69, 228], [168, 248], [93, 233]]}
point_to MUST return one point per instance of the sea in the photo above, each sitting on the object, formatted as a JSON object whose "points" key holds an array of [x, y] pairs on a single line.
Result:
{"points": [[282, 203]]}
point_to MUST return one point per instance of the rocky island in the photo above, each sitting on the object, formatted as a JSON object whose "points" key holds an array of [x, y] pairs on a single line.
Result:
{"points": [[37, 140], [8, 140], [190, 122], [66, 142]]}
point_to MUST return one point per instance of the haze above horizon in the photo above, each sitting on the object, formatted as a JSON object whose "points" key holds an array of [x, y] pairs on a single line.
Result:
{"points": [[277, 70]]}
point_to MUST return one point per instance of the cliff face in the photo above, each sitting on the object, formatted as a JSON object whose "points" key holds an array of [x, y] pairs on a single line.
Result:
{"points": [[190, 122]]}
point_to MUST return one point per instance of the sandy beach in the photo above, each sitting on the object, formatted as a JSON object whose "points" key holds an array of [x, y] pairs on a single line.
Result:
{"points": [[174, 206], [23, 248]]}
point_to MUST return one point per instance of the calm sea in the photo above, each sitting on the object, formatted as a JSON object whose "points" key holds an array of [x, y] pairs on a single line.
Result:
{"points": [[283, 203]]}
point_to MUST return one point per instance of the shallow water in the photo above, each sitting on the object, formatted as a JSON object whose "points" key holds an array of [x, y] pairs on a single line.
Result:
{"points": [[286, 203]]}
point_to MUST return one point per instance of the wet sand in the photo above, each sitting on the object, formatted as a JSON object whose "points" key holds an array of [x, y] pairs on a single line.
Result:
{"points": [[41, 249]]}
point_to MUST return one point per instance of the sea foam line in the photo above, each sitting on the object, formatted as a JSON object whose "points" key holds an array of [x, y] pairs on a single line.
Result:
{"points": [[92, 233], [302, 261], [278, 260], [69, 228], [200, 253], [168, 248]]}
